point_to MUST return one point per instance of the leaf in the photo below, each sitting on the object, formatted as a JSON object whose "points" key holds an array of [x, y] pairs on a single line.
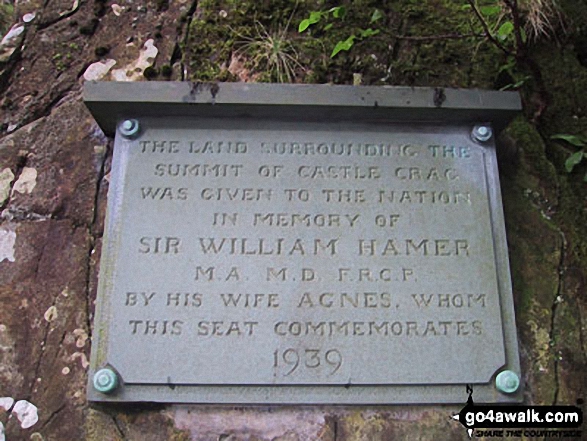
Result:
{"points": [[577, 141], [376, 15], [490, 10], [368, 32], [506, 68], [338, 11], [465, 7], [304, 24], [573, 160], [511, 62], [339, 47], [505, 30], [315, 17], [343, 45], [328, 26], [517, 84]]}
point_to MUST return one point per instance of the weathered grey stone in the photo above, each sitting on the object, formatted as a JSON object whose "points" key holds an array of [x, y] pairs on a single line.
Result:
{"points": [[296, 237]]}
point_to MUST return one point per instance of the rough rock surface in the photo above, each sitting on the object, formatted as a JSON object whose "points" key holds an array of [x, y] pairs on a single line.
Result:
{"points": [[54, 164]]}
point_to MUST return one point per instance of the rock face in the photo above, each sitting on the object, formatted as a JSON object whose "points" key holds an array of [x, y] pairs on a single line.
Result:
{"points": [[54, 164]]}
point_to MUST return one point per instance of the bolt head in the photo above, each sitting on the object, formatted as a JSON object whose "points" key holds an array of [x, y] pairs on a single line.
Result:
{"points": [[482, 133], [507, 382], [105, 381], [129, 128]]}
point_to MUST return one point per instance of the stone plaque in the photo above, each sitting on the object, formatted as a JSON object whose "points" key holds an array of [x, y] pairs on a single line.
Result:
{"points": [[330, 252]]}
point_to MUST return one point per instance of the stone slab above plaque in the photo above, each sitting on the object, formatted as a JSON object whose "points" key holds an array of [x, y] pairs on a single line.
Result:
{"points": [[302, 244]]}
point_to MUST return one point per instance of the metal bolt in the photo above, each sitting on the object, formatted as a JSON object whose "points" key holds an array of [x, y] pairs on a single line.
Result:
{"points": [[129, 128], [507, 382], [482, 133], [105, 380]]}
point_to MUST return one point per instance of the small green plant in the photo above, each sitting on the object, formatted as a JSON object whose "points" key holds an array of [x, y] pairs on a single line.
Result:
{"points": [[317, 16], [271, 51], [508, 25], [345, 45], [339, 12], [577, 157], [510, 22], [496, 22], [542, 17], [494, 16], [519, 79], [58, 62]]}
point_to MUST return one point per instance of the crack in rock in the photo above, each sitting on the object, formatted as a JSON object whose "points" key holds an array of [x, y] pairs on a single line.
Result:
{"points": [[558, 299]]}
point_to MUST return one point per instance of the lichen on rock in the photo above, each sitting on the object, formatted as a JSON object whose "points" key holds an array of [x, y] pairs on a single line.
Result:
{"points": [[135, 70], [6, 178], [11, 42], [27, 180], [98, 70], [7, 243], [26, 413]]}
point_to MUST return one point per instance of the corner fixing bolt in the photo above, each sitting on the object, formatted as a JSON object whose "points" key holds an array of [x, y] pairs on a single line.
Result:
{"points": [[507, 382], [129, 128], [482, 133], [105, 381]]}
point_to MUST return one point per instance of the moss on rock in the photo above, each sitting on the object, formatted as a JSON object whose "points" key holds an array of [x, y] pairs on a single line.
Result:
{"points": [[223, 29]]}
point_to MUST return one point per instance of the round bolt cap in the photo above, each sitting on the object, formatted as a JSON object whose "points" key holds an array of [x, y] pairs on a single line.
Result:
{"points": [[129, 128], [482, 133], [507, 382], [105, 380]]}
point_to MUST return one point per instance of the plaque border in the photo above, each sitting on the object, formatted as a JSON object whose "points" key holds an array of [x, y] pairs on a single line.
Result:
{"points": [[112, 102]]}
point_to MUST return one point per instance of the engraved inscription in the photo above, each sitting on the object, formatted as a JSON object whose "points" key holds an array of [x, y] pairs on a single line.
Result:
{"points": [[292, 359], [158, 245], [318, 258], [411, 247], [267, 247], [198, 170]]}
